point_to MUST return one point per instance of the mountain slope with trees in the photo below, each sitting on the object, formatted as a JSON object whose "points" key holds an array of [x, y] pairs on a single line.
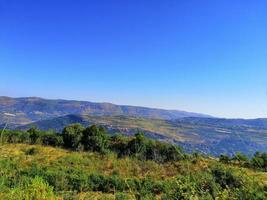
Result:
{"points": [[206, 135]]}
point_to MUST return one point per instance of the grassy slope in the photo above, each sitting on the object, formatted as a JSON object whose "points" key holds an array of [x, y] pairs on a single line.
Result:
{"points": [[107, 165]]}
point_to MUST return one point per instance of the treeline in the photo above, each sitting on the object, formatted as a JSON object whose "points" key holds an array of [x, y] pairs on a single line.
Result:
{"points": [[78, 138], [258, 161]]}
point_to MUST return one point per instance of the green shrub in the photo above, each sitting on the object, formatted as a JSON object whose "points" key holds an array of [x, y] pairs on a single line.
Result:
{"points": [[31, 151], [34, 134], [51, 139], [259, 161], [226, 178], [224, 158], [95, 139], [14, 136], [77, 181], [72, 135], [121, 196], [37, 189]]}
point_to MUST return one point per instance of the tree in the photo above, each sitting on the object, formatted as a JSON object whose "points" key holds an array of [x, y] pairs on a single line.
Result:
{"points": [[224, 158], [34, 134], [138, 145], [174, 153], [95, 139], [72, 135], [240, 158], [51, 139], [119, 144], [259, 161]]}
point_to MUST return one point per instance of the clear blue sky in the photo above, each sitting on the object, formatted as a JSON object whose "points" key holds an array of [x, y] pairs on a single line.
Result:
{"points": [[202, 56]]}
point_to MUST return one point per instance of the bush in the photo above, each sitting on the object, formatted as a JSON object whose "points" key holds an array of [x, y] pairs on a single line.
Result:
{"points": [[95, 139], [72, 135], [224, 158], [37, 189], [147, 149], [31, 151], [119, 144], [51, 139], [122, 196], [106, 184], [16, 136], [259, 161], [77, 181], [34, 135], [226, 178], [240, 157]]}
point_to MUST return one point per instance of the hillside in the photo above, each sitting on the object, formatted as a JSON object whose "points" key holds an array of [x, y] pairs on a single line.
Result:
{"points": [[31, 109], [85, 163], [207, 135], [195, 132], [260, 123], [34, 167]]}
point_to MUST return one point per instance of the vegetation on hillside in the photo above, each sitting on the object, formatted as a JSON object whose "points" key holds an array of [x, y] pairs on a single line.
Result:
{"points": [[258, 161], [206, 135], [87, 163]]}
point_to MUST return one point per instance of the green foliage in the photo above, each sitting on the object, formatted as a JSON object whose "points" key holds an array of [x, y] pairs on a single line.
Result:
{"points": [[121, 196], [51, 139], [46, 182], [147, 149], [31, 151], [72, 135], [240, 157], [33, 135], [71, 177], [226, 178], [16, 136], [95, 139], [119, 144], [258, 161], [225, 158], [36, 189]]}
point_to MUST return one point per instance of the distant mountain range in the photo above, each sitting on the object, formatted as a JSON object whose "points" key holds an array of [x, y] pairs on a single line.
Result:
{"points": [[31, 109], [195, 132]]}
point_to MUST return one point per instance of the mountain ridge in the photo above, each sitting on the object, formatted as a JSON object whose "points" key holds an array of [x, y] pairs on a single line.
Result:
{"points": [[31, 109], [193, 131]]}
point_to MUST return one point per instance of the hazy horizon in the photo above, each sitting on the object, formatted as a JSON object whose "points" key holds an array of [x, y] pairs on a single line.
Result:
{"points": [[205, 57]]}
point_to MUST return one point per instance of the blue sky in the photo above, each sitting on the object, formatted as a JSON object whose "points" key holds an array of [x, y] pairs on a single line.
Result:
{"points": [[201, 56]]}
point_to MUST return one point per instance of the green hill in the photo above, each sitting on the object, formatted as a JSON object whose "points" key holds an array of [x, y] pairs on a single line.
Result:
{"points": [[86, 163]]}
